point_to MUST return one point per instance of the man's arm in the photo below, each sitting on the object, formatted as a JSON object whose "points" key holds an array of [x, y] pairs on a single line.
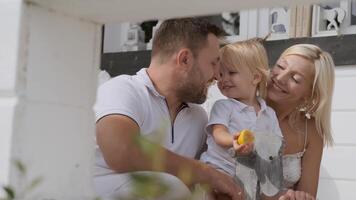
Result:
{"points": [[116, 138]]}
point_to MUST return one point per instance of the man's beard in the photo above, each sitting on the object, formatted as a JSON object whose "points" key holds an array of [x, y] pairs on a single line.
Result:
{"points": [[193, 89]]}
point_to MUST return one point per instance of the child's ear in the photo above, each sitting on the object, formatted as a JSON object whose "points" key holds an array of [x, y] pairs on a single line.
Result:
{"points": [[257, 77]]}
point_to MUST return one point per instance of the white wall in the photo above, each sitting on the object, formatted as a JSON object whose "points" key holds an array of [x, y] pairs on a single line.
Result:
{"points": [[338, 176]]}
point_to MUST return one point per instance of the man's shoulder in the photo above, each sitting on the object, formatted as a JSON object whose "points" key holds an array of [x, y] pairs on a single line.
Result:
{"points": [[123, 82], [196, 108], [196, 112], [124, 78]]}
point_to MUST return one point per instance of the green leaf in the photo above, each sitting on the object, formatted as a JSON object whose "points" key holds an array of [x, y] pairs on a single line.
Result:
{"points": [[146, 146], [9, 192], [34, 183], [148, 186], [20, 166]]}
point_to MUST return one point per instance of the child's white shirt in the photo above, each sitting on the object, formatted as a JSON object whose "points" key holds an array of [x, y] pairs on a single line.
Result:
{"points": [[236, 116]]}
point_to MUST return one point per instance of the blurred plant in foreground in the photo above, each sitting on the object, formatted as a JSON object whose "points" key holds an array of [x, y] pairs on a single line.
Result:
{"points": [[149, 186], [27, 186]]}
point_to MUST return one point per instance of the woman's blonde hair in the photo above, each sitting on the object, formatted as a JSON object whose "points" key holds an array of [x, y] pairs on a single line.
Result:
{"points": [[319, 105], [249, 53]]}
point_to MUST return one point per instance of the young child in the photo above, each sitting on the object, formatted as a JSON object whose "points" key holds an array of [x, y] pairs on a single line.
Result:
{"points": [[243, 79]]}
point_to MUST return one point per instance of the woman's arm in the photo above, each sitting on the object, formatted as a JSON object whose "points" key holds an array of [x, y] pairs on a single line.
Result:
{"points": [[222, 136], [311, 162]]}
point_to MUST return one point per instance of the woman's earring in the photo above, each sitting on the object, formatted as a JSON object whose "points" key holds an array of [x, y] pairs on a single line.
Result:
{"points": [[304, 109], [307, 115]]}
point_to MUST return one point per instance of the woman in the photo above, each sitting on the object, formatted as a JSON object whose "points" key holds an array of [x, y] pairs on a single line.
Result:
{"points": [[300, 90]]}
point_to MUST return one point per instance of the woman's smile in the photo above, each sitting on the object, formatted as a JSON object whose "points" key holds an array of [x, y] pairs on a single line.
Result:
{"points": [[278, 87]]}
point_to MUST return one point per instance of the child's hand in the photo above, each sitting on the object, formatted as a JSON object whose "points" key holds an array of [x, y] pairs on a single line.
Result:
{"points": [[242, 149]]}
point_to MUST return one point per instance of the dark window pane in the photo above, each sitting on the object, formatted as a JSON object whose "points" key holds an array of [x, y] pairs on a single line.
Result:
{"points": [[353, 13]]}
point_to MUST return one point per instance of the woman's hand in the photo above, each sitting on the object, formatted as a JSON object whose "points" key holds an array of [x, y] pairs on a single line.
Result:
{"points": [[296, 195]]}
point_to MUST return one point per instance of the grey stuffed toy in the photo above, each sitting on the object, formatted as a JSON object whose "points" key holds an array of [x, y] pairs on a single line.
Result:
{"points": [[261, 172]]}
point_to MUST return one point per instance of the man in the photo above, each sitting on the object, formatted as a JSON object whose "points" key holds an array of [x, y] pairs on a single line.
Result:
{"points": [[161, 101]]}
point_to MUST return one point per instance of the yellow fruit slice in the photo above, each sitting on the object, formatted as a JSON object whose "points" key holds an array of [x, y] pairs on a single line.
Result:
{"points": [[246, 136]]}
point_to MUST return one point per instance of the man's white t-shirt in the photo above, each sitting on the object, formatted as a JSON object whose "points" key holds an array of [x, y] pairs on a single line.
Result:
{"points": [[136, 97], [236, 116]]}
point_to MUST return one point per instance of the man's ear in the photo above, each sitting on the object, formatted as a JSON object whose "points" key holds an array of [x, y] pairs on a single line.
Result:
{"points": [[257, 77], [185, 58]]}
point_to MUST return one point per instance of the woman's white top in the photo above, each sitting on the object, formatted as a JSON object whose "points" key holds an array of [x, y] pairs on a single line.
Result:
{"points": [[292, 165]]}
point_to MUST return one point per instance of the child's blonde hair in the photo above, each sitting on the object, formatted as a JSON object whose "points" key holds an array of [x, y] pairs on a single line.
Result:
{"points": [[251, 54]]}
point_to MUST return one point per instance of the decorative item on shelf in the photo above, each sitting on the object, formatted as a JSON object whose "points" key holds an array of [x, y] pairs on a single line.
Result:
{"points": [[149, 44], [238, 25], [278, 23], [279, 20], [231, 22], [334, 17], [302, 20], [135, 39]]}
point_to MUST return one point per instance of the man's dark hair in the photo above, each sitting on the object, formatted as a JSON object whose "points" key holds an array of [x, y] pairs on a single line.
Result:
{"points": [[191, 33]]}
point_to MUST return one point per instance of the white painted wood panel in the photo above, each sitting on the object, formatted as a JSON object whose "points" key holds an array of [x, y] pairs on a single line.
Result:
{"points": [[55, 142], [336, 190], [7, 106], [343, 125], [62, 58], [113, 11], [337, 174], [54, 123], [10, 16], [344, 95], [339, 162]]}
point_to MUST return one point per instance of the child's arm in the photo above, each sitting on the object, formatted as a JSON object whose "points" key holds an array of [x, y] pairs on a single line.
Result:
{"points": [[218, 123], [223, 138], [221, 135]]}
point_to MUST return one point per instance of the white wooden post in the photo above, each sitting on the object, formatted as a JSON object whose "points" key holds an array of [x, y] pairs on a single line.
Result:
{"points": [[49, 112], [10, 16]]}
